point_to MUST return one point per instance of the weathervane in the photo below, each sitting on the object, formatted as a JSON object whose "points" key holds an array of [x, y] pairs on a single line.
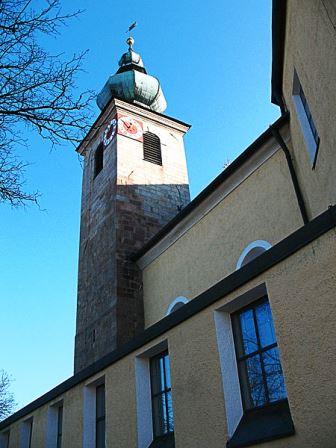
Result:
{"points": [[130, 40], [134, 24]]}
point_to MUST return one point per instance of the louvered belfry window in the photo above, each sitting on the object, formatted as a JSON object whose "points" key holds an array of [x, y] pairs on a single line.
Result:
{"points": [[152, 148]]}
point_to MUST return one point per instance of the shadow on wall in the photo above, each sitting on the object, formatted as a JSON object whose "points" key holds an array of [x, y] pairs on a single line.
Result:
{"points": [[116, 221], [148, 208]]}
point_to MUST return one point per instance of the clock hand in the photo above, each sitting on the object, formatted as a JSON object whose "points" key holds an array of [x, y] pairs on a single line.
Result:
{"points": [[125, 123]]}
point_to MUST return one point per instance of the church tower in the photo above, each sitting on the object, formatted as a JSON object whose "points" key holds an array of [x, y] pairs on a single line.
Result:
{"points": [[134, 181]]}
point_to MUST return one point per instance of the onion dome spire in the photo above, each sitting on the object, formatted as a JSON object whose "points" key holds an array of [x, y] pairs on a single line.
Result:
{"points": [[131, 83]]}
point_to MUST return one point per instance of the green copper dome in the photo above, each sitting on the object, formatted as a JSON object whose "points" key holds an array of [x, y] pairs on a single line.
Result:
{"points": [[131, 83]]}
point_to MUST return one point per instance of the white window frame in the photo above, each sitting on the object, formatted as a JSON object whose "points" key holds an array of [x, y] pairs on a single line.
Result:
{"points": [[227, 355], [253, 245], [89, 412], [311, 144], [26, 433], [179, 299], [144, 394]]}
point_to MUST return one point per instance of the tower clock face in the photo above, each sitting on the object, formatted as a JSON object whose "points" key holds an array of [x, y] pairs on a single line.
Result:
{"points": [[110, 132], [130, 127]]}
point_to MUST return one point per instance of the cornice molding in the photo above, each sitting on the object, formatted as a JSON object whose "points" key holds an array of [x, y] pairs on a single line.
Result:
{"points": [[305, 235], [116, 105], [256, 160]]}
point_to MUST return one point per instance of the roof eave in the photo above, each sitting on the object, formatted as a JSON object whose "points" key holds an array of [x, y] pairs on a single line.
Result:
{"points": [[278, 47], [204, 194]]}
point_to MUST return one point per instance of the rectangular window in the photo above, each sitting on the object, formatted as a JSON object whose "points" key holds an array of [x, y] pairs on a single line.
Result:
{"points": [[98, 159], [305, 117], [100, 416], [55, 425], [26, 433], [259, 367], [4, 439], [59, 426], [253, 383], [162, 406], [309, 115]]}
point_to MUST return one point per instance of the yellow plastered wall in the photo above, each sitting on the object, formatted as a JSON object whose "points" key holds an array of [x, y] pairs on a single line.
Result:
{"points": [[301, 291], [310, 48], [72, 422], [263, 207], [196, 380], [121, 404], [302, 296], [73, 417]]}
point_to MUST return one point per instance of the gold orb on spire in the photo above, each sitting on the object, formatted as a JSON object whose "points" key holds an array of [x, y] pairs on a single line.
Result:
{"points": [[130, 42]]}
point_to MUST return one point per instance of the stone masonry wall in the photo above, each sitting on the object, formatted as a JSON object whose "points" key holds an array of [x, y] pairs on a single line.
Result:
{"points": [[122, 208], [96, 301]]}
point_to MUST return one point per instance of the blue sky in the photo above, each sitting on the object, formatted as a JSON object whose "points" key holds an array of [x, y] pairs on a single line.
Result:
{"points": [[214, 63]]}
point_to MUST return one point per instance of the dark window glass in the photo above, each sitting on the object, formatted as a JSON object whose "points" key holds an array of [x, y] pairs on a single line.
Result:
{"points": [[152, 148], [30, 432], [259, 367], [265, 324], [100, 416], [249, 335], [309, 115], [59, 426], [274, 377], [162, 405], [4, 439], [99, 159]]}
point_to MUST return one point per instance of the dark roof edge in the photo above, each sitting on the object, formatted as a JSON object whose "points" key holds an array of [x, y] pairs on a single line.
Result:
{"points": [[233, 167], [282, 250], [278, 48]]}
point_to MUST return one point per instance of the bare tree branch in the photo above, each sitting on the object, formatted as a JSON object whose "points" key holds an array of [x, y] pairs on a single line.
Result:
{"points": [[36, 89], [7, 402]]}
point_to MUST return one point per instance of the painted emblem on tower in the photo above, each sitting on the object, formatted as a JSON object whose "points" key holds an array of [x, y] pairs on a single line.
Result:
{"points": [[130, 127], [110, 132]]}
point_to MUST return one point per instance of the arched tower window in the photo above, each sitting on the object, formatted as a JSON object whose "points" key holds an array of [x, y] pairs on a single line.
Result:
{"points": [[252, 251], [176, 304], [152, 148], [98, 159]]}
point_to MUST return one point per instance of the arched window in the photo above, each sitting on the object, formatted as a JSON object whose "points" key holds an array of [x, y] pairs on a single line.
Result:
{"points": [[252, 251], [176, 304], [152, 148], [99, 159]]}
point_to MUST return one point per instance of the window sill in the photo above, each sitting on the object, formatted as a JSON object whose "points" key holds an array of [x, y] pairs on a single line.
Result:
{"points": [[166, 441], [262, 425]]}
